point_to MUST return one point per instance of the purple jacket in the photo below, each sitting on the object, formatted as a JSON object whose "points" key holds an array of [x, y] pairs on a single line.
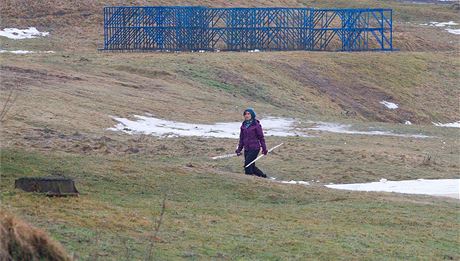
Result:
{"points": [[252, 138]]}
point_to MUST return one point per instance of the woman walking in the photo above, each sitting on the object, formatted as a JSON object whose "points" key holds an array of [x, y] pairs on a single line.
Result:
{"points": [[251, 139]]}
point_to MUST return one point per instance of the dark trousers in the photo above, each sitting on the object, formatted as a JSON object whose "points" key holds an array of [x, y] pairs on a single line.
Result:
{"points": [[250, 155]]}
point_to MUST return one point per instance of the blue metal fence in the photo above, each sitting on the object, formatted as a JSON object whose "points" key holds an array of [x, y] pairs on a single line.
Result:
{"points": [[195, 28]]}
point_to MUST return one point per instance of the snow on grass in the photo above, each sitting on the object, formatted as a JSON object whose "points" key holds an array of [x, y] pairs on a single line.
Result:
{"points": [[433, 187], [18, 34], [282, 127], [442, 24], [24, 51], [346, 129], [294, 182], [16, 51], [453, 31], [445, 24], [451, 125], [389, 105]]}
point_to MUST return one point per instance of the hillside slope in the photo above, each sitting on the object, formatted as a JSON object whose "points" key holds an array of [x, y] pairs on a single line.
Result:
{"points": [[63, 104], [88, 88], [347, 86]]}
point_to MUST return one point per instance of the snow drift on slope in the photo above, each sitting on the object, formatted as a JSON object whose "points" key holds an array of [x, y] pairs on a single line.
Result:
{"points": [[18, 34], [282, 127], [24, 51], [433, 187], [444, 24], [451, 124], [346, 129], [389, 105]]}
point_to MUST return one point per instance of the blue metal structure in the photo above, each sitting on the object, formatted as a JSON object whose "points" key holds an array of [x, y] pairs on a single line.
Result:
{"points": [[194, 28]]}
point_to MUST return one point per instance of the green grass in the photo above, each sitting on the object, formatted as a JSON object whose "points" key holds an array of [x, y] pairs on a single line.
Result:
{"points": [[203, 76], [214, 214], [213, 211]]}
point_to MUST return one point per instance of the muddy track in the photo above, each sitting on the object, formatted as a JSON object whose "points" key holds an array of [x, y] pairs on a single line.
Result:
{"points": [[356, 100], [13, 76]]}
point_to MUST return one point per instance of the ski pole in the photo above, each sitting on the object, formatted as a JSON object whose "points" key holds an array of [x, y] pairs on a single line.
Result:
{"points": [[270, 150]]}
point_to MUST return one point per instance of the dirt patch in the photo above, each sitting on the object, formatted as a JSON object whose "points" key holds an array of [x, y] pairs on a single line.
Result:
{"points": [[51, 140], [355, 99], [18, 76], [149, 73]]}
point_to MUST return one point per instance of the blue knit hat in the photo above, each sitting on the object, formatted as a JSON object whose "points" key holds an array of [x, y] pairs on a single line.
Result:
{"points": [[251, 111]]}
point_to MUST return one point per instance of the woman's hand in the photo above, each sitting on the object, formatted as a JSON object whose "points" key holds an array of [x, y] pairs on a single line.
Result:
{"points": [[238, 152], [264, 152]]}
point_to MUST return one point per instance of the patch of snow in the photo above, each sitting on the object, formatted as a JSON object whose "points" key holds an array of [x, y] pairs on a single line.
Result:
{"points": [[254, 51], [296, 182], [451, 125], [433, 187], [24, 51], [16, 51], [408, 123], [389, 105], [453, 31], [17, 34], [345, 129], [282, 127], [442, 24]]}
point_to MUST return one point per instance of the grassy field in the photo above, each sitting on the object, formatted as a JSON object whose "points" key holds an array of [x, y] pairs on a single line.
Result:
{"points": [[213, 86], [58, 126], [213, 213]]}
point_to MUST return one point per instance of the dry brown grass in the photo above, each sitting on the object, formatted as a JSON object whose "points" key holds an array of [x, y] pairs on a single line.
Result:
{"points": [[21, 241], [62, 113], [9, 101], [68, 95]]}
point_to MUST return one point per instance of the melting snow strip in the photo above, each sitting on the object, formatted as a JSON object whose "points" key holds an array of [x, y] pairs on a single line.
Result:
{"points": [[453, 31], [441, 24], [281, 127], [345, 129], [389, 105], [24, 51], [18, 34], [295, 182], [444, 24], [432, 187], [451, 125]]}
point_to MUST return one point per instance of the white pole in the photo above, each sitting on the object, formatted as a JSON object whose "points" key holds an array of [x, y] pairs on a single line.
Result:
{"points": [[224, 156], [270, 150]]}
